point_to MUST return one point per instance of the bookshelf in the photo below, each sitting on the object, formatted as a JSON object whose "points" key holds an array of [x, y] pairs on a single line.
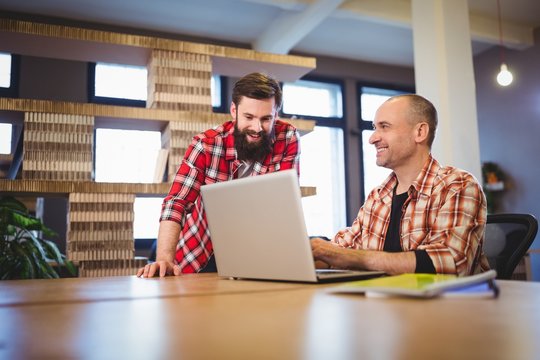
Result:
{"points": [[58, 141]]}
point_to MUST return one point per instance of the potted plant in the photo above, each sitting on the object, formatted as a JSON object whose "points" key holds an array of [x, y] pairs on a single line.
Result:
{"points": [[493, 183], [23, 254]]}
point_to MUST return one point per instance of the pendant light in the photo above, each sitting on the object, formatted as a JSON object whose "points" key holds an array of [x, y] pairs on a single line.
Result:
{"points": [[504, 77]]}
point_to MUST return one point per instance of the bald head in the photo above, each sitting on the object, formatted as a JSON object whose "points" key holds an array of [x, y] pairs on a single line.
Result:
{"points": [[419, 110]]}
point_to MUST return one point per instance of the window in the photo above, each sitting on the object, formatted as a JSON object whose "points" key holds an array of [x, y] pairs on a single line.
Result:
{"points": [[218, 91], [127, 85], [5, 138], [370, 100], [130, 156], [311, 98], [146, 222], [9, 75], [127, 156], [118, 84], [322, 163], [5, 70]]}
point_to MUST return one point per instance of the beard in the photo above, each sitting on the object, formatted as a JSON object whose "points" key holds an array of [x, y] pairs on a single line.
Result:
{"points": [[251, 151]]}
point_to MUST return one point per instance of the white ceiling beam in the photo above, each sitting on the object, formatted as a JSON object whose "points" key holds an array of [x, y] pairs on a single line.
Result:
{"points": [[483, 29], [287, 30]]}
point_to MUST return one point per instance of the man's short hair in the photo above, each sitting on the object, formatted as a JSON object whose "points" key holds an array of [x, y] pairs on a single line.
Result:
{"points": [[421, 109], [257, 86]]}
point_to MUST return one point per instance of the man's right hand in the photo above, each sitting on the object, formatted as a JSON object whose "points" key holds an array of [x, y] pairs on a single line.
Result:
{"points": [[161, 268]]}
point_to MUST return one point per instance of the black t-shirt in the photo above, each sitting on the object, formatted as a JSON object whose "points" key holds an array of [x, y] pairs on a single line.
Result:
{"points": [[392, 242]]}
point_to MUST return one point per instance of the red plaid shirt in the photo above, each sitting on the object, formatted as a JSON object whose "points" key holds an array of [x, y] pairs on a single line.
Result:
{"points": [[445, 215], [211, 158]]}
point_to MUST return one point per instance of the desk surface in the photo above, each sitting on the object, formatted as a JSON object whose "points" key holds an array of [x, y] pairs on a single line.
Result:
{"points": [[204, 317]]}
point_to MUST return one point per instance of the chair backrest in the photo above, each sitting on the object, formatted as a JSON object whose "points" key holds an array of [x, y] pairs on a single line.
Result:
{"points": [[508, 237]]}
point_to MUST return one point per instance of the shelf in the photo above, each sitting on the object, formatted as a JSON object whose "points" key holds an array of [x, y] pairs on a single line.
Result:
{"points": [[40, 187], [116, 115], [71, 43]]}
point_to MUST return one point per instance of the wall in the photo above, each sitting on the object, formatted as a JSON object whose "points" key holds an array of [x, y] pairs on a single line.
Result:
{"points": [[53, 79], [509, 126]]}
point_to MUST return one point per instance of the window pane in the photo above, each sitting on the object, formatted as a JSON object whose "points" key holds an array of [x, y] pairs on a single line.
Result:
{"points": [[311, 98], [127, 156], [146, 222], [370, 100], [215, 89], [5, 138], [5, 70], [374, 175], [121, 81], [322, 165], [370, 103]]}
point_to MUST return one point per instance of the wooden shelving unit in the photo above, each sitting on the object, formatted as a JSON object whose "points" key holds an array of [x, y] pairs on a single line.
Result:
{"points": [[179, 75]]}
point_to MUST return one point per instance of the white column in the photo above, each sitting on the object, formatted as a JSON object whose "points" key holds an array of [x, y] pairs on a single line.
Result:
{"points": [[444, 74]]}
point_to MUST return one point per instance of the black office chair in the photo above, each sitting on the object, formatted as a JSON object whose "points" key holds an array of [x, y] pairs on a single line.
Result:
{"points": [[508, 237]]}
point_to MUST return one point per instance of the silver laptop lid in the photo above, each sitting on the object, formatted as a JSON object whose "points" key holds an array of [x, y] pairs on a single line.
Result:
{"points": [[258, 229]]}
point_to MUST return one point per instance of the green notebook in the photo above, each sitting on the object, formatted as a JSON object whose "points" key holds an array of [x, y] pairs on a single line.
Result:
{"points": [[425, 286]]}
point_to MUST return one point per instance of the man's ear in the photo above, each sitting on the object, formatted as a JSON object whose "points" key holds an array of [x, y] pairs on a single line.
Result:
{"points": [[233, 110], [421, 132]]}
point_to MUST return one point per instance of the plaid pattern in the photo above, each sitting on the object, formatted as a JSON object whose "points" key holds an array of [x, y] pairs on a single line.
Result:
{"points": [[445, 216], [211, 158]]}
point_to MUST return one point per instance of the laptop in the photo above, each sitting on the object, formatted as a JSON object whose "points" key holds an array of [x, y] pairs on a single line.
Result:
{"points": [[258, 231]]}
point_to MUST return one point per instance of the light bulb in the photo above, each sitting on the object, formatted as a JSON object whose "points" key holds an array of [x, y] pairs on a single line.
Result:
{"points": [[504, 77]]}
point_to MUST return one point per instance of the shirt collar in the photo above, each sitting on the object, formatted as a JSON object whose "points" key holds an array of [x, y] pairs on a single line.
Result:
{"points": [[423, 183]]}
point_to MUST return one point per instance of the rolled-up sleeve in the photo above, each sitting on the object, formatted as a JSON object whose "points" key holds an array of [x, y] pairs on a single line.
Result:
{"points": [[186, 186], [455, 240]]}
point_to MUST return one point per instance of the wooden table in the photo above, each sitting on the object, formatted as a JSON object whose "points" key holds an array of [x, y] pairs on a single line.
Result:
{"points": [[205, 317]]}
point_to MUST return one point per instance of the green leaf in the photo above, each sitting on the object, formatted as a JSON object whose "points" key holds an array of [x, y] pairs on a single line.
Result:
{"points": [[11, 203], [25, 264], [69, 266], [35, 246], [52, 251], [27, 222]]}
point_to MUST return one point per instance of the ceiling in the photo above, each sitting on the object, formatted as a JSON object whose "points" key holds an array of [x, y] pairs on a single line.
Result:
{"points": [[368, 30]]}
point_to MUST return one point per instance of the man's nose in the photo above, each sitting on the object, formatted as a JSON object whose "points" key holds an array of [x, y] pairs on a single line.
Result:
{"points": [[256, 125], [374, 137]]}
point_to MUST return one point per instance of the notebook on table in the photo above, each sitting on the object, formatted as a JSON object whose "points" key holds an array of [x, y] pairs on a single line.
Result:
{"points": [[258, 231]]}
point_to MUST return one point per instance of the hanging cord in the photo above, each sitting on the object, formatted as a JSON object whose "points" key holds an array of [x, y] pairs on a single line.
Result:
{"points": [[500, 32]]}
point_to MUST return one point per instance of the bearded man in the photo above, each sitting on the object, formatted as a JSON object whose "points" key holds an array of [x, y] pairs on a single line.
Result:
{"points": [[253, 143]]}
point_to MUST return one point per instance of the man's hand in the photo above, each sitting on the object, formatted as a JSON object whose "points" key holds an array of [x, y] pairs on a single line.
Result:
{"points": [[161, 268], [338, 257], [168, 234], [324, 252]]}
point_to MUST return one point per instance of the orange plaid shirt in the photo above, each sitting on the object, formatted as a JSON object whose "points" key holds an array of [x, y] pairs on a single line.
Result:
{"points": [[445, 215]]}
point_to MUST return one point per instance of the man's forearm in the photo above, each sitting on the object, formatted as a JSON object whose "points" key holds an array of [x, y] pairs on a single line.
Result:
{"points": [[389, 262], [168, 235], [345, 258]]}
